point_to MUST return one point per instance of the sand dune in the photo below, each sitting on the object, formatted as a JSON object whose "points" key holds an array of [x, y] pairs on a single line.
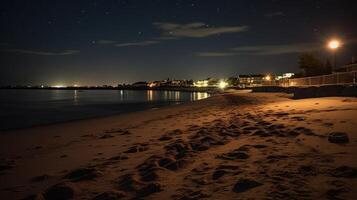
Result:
{"points": [[230, 146]]}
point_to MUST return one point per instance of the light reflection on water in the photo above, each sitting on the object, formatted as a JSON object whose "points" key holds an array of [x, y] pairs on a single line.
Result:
{"points": [[153, 95], [22, 108], [80, 97]]}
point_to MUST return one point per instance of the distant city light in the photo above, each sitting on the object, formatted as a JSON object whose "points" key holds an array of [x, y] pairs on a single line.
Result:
{"points": [[151, 85], [203, 83], [58, 86], [222, 84], [268, 78], [284, 76], [334, 44]]}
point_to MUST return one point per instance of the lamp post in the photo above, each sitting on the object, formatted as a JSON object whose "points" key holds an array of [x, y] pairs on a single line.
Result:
{"points": [[334, 45]]}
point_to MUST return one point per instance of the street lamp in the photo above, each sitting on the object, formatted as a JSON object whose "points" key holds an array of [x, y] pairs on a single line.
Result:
{"points": [[222, 84], [334, 45]]}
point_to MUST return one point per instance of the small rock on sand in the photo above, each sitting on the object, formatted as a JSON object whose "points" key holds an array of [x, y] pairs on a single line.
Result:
{"points": [[338, 138], [243, 185]]}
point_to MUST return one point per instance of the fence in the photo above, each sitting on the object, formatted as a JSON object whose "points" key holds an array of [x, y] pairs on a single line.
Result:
{"points": [[339, 78]]}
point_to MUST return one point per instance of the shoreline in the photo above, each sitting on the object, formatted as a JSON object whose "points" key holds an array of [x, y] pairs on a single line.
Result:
{"points": [[89, 112], [157, 106], [210, 90], [226, 140]]}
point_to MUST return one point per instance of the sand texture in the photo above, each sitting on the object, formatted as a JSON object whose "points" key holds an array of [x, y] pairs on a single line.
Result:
{"points": [[229, 146]]}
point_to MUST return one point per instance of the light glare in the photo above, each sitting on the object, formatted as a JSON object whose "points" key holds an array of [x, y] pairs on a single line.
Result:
{"points": [[334, 44], [222, 84]]}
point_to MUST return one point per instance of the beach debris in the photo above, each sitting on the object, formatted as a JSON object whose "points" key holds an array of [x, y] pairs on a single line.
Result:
{"points": [[111, 195], [344, 172], [82, 174], [243, 185], [338, 138]]}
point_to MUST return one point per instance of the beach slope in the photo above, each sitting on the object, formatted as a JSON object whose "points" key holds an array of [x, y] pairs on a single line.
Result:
{"points": [[229, 146]]}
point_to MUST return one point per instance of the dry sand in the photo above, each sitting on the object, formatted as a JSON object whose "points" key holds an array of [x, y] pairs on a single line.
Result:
{"points": [[230, 146]]}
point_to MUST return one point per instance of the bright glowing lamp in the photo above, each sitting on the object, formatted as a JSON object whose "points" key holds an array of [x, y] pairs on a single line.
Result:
{"points": [[268, 78], [222, 84], [334, 44]]}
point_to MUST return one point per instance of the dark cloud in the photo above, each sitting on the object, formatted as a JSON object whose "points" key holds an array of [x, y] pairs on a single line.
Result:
{"points": [[196, 29], [42, 53], [264, 50], [132, 44], [106, 42]]}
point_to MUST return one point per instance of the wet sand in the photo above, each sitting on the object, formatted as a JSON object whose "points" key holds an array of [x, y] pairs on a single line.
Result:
{"points": [[230, 146]]}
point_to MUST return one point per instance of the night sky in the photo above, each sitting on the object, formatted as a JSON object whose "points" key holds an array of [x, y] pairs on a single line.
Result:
{"points": [[96, 42]]}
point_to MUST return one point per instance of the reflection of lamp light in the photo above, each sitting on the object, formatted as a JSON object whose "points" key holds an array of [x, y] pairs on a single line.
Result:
{"points": [[150, 95], [222, 84]]}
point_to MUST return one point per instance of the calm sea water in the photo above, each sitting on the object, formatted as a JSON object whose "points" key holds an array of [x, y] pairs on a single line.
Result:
{"points": [[26, 108]]}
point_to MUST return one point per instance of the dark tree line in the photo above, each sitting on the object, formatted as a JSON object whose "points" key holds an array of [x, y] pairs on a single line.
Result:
{"points": [[311, 65]]}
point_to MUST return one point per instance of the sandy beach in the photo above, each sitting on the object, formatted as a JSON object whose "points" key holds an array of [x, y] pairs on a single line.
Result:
{"points": [[229, 146]]}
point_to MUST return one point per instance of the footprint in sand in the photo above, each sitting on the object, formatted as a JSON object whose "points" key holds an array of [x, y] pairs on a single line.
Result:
{"points": [[137, 148]]}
